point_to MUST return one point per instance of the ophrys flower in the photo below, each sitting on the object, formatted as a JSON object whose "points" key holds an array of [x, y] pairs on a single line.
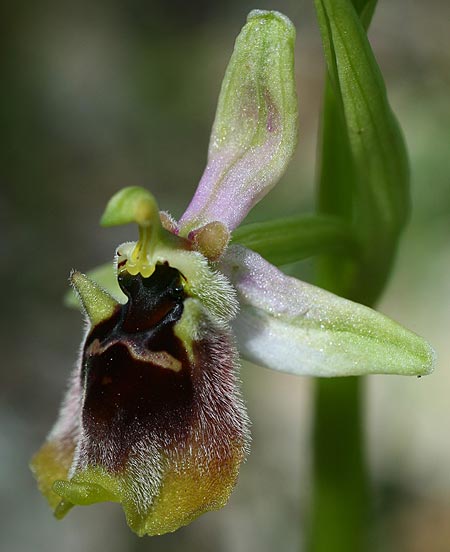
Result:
{"points": [[153, 417]]}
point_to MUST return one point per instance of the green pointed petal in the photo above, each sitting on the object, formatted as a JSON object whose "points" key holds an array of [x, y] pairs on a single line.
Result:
{"points": [[294, 327], [106, 278], [97, 304]]}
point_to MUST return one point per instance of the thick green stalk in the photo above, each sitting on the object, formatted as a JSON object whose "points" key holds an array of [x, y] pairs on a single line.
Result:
{"points": [[341, 495], [364, 180], [341, 503]]}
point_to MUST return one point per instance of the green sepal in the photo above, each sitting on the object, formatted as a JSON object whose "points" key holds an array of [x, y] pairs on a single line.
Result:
{"points": [[292, 326], [256, 124], [260, 89]]}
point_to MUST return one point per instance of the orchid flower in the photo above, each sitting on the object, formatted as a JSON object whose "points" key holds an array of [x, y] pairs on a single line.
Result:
{"points": [[153, 417]]}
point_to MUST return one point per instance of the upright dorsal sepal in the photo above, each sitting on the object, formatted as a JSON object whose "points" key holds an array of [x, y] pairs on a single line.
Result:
{"points": [[255, 128]]}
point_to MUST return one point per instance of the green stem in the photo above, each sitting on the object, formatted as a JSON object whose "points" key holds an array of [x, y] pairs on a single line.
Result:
{"points": [[341, 500], [341, 503]]}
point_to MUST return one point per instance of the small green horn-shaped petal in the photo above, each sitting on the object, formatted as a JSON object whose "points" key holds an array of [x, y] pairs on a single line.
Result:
{"points": [[104, 276], [295, 327], [98, 305], [255, 129]]}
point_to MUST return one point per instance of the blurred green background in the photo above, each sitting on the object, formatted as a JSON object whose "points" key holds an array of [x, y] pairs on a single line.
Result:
{"points": [[97, 96]]}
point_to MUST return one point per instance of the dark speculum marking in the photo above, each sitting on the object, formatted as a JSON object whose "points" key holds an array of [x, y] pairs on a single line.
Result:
{"points": [[136, 373]]}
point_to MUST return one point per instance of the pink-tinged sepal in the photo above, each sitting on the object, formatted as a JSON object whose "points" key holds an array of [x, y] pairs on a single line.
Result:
{"points": [[255, 129], [292, 326]]}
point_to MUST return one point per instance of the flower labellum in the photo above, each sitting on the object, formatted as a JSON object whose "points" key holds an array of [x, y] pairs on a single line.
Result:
{"points": [[153, 417]]}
